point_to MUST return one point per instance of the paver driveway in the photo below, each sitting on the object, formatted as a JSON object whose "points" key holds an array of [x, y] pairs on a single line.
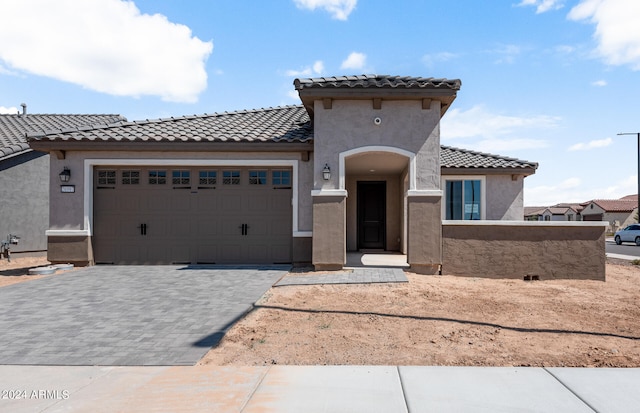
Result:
{"points": [[126, 315]]}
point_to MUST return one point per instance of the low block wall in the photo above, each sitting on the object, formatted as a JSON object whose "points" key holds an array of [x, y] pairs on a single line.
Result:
{"points": [[515, 249]]}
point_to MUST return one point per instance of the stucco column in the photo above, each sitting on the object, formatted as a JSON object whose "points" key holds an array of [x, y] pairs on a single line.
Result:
{"points": [[424, 238], [329, 232]]}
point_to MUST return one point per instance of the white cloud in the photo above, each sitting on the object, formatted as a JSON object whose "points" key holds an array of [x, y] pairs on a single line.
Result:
{"points": [[573, 190], [9, 111], [107, 46], [599, 143], [599, 83], [502, 146], [567, 190], [355, 61], [543, 5], [317, 68], [616, 29], [507, 53], [481, 122], [431, 59], [339, 9]]}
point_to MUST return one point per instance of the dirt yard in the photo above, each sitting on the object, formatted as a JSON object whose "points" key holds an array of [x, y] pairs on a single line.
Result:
{"points": [[434, 320], [444, 320], [18, 269]]}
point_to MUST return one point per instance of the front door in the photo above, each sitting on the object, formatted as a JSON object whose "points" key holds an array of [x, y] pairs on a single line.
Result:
{"points": [[372, 214]]}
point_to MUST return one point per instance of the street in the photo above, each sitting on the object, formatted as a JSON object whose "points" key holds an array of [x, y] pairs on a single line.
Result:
{"points": [[627, 248]]}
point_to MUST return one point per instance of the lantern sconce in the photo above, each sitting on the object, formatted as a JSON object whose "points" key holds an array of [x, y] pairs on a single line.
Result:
{"points": [[65, 175], [326, 172]]}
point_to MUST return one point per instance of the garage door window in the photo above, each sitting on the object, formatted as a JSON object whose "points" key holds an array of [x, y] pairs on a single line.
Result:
{"points": [[231, 177], [157, 177], [181, 177], [208, 178], [107, 177], [257, 177], [130, 177], [281, 178]]}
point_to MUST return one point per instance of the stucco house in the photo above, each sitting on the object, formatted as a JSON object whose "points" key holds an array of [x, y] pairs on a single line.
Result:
{"points": [[617, 212], [357, 166], [24, 176]]}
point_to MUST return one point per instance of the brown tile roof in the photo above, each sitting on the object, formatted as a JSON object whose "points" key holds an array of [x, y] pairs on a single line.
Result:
{"points": [[633, 197], [280, 124], [529, 211], [14, 128], [378, 81], [463, 158], [560, 210], [616, 205]]}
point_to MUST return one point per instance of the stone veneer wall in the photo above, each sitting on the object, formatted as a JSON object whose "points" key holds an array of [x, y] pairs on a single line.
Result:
{"points": [[508, 249]]}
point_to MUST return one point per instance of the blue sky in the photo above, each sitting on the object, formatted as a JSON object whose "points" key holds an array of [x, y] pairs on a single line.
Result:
{"points": [[550, 81]]}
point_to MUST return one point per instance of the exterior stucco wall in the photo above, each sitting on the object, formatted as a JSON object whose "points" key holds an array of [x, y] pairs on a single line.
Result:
{"points": [[515, 250], [424, 250], [592, 209], [24, 201], [504, 198], [329, 224], [622, 218], [393, 210], [349, 124]]}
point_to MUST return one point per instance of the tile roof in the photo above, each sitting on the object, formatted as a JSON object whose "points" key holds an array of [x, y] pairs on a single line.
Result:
{"points": [[462, 158], [615, 205], [377, 81], [281, 124], [14, 128], [534, 210]]}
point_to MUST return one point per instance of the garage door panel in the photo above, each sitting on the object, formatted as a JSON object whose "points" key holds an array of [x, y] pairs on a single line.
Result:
{"points": [[257, 254], [231, 202], [230, 253], [192, 225], [257, 202], [206, 254]]}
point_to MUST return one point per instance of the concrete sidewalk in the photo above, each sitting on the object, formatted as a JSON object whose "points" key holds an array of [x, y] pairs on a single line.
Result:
{"points": [[317, 389]]}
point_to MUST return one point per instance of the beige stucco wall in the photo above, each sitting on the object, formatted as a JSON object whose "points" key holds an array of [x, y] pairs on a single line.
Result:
{"points": [[424, 250], [329, 240], [515, 250], [505, 197], [623, 218], [349, 124], [393, 210]]}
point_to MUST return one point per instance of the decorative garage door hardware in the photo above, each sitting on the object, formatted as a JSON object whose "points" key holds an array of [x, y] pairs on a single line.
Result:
{"points": [[143, 229], [244, 229]]}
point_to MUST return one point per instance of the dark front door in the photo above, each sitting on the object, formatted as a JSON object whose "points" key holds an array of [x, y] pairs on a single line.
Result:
{"points": [[371, 215]]}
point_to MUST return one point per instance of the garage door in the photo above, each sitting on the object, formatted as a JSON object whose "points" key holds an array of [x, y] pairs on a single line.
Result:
{"points": [[160, 215]]}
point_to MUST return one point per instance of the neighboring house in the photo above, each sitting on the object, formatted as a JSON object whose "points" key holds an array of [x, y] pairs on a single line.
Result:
{"points": [[358, 166], [534, 213], [24, 175], [559, 213], [618, 212]]}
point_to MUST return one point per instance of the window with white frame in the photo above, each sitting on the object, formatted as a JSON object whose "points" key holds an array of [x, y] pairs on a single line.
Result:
{"points": [[464, 198]]}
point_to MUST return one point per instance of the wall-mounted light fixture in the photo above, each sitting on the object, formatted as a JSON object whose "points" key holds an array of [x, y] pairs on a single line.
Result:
{"points": [[326, 172], [65, 175]]}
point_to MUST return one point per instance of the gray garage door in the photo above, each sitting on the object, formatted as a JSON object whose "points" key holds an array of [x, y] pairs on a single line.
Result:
{"points": [[161, 215]]}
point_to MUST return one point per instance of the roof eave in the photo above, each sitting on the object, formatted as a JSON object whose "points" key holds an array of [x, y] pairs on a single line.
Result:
{"points": [[526, 171], [309, 95]]}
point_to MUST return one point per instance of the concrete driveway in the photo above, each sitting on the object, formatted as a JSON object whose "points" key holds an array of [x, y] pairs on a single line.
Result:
{"points": [[126, 315]]}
